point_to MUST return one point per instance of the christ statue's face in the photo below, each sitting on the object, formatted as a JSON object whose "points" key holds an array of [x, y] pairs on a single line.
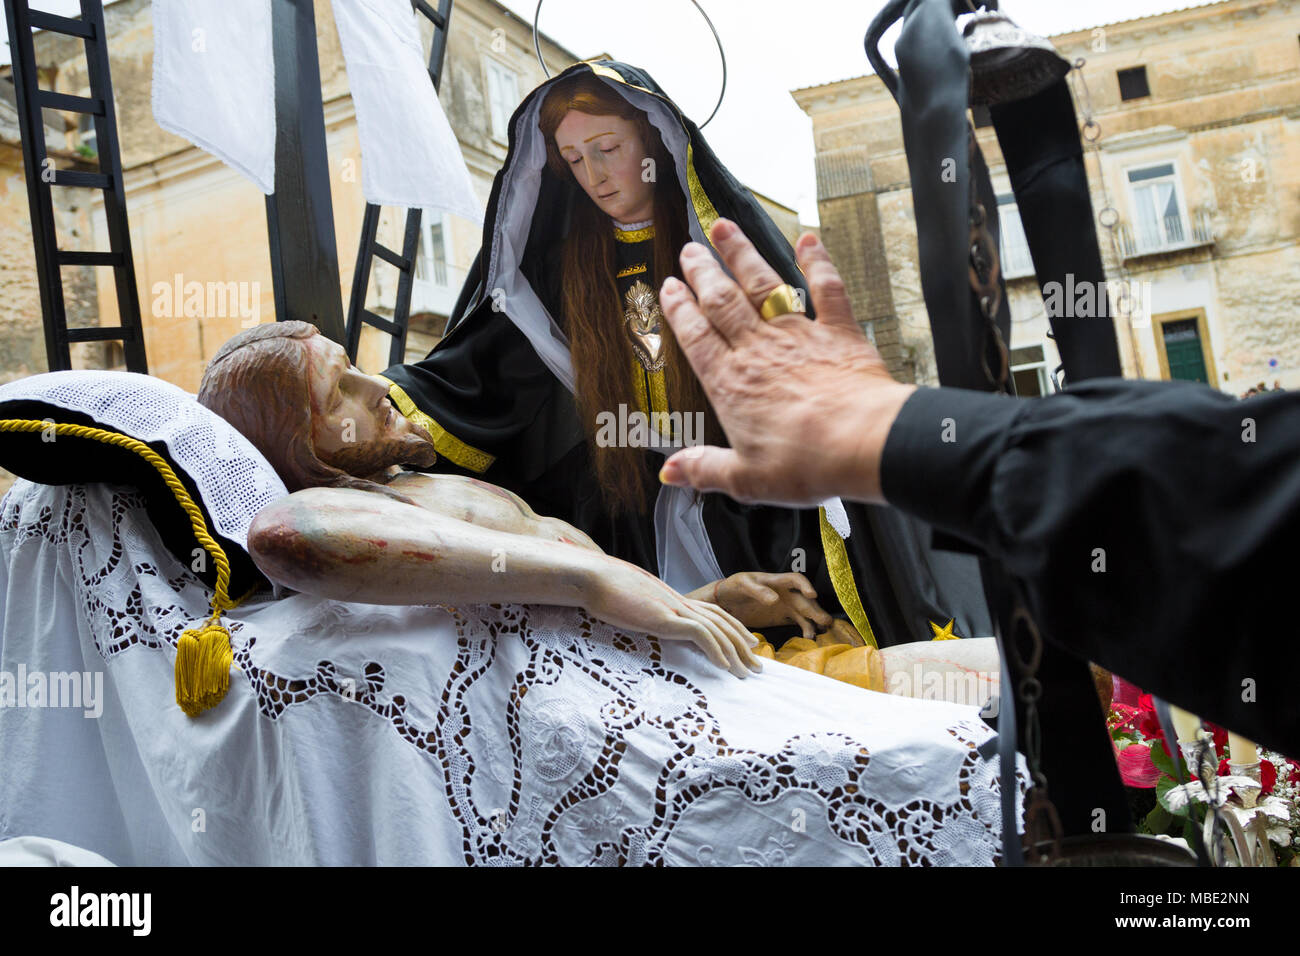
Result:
{"points": [[353, 425], [606, 156]]}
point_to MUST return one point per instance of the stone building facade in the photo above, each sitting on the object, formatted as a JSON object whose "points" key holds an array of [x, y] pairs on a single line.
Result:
{"points": [[193, 219], [1197, 167]]}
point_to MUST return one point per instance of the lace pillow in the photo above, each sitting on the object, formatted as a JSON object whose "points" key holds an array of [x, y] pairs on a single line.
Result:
{"points": [[222, 472]]}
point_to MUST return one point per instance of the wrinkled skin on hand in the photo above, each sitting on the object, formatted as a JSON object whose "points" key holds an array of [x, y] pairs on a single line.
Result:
{"points": [[806, 405], [759, 599]]}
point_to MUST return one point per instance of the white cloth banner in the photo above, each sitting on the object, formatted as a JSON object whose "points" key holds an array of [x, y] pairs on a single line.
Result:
{"points": [[409, 154], [214, 80]]}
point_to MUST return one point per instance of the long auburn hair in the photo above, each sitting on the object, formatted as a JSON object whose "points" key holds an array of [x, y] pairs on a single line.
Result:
{"points": [[590, 300], [259, 382]]}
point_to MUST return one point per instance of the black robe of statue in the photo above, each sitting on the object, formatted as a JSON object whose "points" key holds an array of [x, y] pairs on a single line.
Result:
{"points": [[498, 412]]}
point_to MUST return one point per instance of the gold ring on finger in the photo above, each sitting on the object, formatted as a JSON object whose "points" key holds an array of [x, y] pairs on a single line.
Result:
{"points": [[782, 300]]}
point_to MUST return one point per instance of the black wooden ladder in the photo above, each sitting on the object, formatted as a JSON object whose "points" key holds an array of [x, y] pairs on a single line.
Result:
{"points": [[370, 246], [42, 177]]}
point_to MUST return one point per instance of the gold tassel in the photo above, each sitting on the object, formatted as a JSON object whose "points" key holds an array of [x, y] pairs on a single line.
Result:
{"points": [[203, 655], [203, 661]]}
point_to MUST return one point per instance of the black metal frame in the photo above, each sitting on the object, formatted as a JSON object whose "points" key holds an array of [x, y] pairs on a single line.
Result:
{"points": [[50, 258], [299, 214], [369, 247]]}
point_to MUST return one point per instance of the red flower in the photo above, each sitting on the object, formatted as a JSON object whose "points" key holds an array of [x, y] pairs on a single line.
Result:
{"points": [[1123, 718], [1135, 766], [1124, 692], [1148, 720], [1268, 777], [1220, 736]]}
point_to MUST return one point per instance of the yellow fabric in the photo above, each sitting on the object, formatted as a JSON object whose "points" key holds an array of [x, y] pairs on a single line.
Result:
{"points": [[654, 398], [638, 384], [861, 666], [203, 655], [704, 210], [841, 632], [446, 444], [659, 398], [841, 573]]}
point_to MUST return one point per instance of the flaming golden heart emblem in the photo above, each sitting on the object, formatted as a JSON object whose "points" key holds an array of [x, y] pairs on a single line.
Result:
{"points": [[644, 319]]}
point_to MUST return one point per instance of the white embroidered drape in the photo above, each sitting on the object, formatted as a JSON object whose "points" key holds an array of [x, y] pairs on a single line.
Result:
{"points": [[496, 735]]}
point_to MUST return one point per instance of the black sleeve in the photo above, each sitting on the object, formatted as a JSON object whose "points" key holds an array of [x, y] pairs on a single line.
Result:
{"points": [[1154, 525]]}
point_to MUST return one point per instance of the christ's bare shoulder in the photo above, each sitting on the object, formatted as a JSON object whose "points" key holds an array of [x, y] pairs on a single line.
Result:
{"points": [[484, 505]]}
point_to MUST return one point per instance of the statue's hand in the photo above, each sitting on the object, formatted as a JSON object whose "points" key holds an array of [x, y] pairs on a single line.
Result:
{"points": [[634, 599], [759, 599]]}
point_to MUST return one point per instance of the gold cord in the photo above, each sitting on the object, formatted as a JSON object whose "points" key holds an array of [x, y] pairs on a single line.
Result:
{"points": [[203, 654]]}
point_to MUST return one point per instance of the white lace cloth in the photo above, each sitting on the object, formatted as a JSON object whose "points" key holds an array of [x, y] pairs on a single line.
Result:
{"points": [[358, 734], [233, 479]]}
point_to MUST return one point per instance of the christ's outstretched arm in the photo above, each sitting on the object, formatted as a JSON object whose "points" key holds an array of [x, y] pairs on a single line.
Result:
{"points": [[352, 545]]}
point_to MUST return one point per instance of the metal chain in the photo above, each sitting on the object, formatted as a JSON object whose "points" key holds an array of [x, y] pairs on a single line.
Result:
{"points": [[985, 271], [1042, 821]]}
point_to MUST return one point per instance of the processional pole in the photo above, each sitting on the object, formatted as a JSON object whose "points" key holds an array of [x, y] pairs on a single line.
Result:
{"points": [[299, 214], [1052, 697]]}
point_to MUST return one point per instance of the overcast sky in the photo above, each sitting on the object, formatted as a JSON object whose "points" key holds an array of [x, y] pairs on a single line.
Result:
{"points": [[769, 53]]}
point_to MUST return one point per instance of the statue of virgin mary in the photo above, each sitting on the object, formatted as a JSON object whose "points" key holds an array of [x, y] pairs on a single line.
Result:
{"points": [[559, 379]]}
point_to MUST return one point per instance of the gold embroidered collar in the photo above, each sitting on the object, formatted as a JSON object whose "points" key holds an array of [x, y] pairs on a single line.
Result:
{"points": [[634, 235]]}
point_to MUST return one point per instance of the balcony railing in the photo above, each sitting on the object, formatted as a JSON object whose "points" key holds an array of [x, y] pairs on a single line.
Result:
{"points": [[1168, 235]]}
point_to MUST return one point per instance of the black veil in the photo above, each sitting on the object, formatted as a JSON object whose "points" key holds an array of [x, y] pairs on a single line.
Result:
{"points": [[496, 395]]}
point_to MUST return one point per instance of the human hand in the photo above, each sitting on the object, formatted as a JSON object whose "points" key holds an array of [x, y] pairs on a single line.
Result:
{"points": [[759, 599], [629, 597], [806, 405]]}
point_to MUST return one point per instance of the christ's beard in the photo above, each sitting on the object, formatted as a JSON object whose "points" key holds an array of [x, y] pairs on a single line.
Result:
{"points": [[363, 461]]}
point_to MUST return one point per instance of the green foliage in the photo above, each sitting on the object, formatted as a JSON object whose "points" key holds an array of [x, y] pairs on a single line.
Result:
{"points": [[1163, 786], [1158, 821]]}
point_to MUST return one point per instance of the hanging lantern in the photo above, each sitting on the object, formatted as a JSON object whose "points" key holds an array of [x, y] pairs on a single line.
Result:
{"points": [[1007, 62]]}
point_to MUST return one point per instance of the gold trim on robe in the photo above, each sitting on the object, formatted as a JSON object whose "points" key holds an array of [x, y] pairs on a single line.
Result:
{"points": [[841, 573], [654, 398], [658, 392], [634, 235], [638, 383], [446, 444]]}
